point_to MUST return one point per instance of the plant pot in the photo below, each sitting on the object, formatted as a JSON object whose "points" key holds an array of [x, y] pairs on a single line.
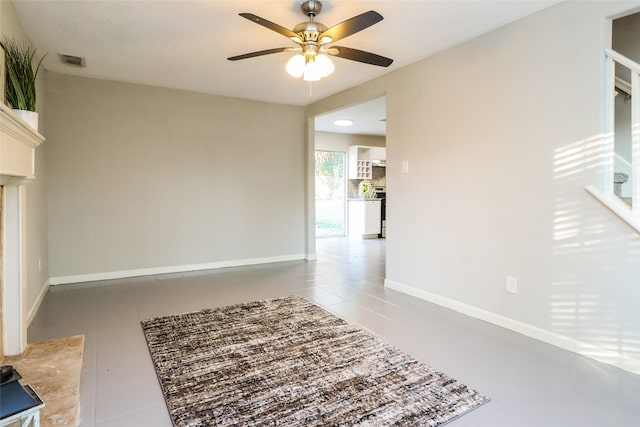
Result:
{"points": [[30, 117]]}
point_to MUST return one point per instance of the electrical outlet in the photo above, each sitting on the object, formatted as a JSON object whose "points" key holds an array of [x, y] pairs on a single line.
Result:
{"points": [[512, 285]]}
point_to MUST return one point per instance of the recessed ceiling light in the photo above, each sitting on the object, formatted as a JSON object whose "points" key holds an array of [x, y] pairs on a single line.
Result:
{"points": [[343, 122]]}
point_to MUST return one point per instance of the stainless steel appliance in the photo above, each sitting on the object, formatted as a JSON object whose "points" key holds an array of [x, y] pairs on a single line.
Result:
{"points": [[381, 193]]}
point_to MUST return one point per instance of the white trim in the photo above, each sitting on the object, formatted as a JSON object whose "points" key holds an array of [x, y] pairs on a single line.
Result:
{"points": [[36, 305], [14, 271], [92, 277], [618, 206], [588, 350], [621, 59], [311, 257]]}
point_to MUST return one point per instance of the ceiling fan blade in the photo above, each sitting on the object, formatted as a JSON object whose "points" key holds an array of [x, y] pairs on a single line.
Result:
{"points": [[260, 53], [352, 26], [359, 55], [270, 25]]}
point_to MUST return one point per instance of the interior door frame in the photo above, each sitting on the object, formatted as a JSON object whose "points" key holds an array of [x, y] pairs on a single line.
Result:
{"points": [[310, 165]]}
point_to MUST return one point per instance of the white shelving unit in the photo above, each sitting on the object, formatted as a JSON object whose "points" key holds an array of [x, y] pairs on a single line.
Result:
{"points": [[359, 162], [364, 170]]}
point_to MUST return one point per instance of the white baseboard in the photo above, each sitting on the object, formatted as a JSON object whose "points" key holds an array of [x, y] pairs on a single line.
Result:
{"points": [[92, 277], [36, 305], [591, 351]]}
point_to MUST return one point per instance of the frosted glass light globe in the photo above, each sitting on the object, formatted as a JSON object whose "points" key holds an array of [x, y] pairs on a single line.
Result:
{"points": [[324, 64], [296, 66]]}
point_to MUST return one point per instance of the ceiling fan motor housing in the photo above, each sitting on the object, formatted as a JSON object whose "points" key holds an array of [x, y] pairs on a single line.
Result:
{"points": [[309, 31], [311, 8]]}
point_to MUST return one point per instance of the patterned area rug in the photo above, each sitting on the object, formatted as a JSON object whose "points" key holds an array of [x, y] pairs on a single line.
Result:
{"points": [[289, 362]]}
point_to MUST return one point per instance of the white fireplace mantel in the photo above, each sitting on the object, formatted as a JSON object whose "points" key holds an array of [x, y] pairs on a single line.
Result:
{"points": [[18, 143]]}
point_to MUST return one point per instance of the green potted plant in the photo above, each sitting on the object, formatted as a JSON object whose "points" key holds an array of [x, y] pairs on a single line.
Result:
{"points": [[20, 84]]}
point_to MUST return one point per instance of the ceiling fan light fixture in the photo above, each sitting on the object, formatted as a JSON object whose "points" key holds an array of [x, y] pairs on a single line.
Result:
{"points": [[343, 122], [325, 65], [312, 37], [296, 66], [310, 67], [312, 72]]}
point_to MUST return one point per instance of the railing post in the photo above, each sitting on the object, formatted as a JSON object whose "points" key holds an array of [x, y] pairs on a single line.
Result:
{"points": [[606, 184]]}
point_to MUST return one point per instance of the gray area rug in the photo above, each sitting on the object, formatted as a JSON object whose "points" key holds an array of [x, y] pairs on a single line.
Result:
{"points": [[289, 362]]}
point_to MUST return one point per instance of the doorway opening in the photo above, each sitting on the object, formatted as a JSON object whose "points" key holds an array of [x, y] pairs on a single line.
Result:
{"points": [[330, 193], [337, 135]]}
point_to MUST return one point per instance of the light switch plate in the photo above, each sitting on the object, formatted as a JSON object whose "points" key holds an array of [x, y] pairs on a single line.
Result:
{"points": [[405, 166]]}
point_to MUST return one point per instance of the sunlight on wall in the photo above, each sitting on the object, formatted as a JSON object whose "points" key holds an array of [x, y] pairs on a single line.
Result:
{"points": [[591, 153], [595, 260]]}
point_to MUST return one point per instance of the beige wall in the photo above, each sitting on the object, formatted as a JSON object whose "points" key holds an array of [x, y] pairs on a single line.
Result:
{"points": [[498, 133], [37, 252], [143, 177]]}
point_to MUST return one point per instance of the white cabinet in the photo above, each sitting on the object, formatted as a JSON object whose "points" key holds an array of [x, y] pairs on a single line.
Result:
{"points": [[364, 218], [378, 154], [359, 162], [361, 158], [372, 222]]}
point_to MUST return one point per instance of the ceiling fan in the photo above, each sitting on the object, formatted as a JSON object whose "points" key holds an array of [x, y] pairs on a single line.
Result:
{"points": [[311, 61]]}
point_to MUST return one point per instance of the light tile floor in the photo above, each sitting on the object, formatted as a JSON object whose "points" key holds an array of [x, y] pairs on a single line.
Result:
{"points": [[530, 383]]}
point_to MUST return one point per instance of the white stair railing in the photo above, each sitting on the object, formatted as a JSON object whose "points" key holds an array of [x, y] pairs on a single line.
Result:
{"points": [[614, 57], [605, 193]]}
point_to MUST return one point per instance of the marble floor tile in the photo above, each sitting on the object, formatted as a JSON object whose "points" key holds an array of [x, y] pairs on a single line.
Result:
{"points": [[53, 369]]}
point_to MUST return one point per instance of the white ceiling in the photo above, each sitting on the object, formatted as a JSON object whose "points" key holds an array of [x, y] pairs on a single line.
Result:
{"points": [[184, 44], [369, 118]]}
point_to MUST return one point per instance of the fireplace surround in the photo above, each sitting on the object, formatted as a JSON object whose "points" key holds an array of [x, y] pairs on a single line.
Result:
{"points": [[18, 143]]}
